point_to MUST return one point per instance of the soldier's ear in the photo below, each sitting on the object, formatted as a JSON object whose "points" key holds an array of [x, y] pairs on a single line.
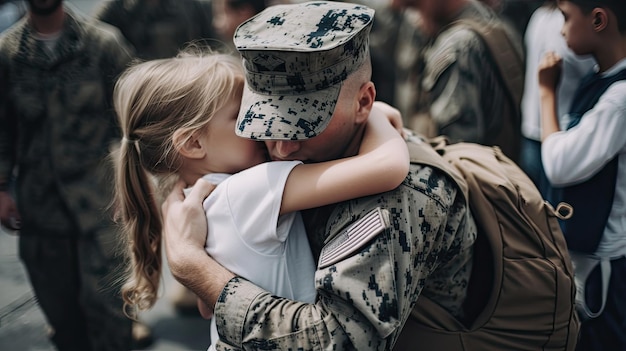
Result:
{"points": [[365, 99], [188, 145]]}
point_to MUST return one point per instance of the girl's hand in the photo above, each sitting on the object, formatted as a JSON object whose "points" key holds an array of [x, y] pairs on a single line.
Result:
{"points": [[391, 113], [550, 71]]}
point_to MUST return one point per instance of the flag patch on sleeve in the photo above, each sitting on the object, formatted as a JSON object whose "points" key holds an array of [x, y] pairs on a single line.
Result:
{"points": [[354, 237]]}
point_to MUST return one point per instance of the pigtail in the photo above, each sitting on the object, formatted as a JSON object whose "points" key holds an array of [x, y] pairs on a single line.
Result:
{"points": [[153, 101], [137, 209]]}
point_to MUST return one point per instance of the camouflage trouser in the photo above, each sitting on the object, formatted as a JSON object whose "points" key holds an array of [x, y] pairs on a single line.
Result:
{"points": [[73, 280]]}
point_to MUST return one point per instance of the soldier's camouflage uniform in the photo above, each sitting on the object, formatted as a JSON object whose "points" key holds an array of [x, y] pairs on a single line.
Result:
{"points": [[56, 126], [456, 84], [160, 29], [364, 299], [375, 254]]}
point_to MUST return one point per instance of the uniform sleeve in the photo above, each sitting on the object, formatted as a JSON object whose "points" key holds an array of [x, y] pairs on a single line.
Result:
{"points": [[453, 79], [120, 54], [573, 156], [109, 11], [254, 197], [7, 127], [364, 298]]}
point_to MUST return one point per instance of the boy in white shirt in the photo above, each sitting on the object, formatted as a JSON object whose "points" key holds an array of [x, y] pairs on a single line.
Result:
{"points": [[586, 163]]}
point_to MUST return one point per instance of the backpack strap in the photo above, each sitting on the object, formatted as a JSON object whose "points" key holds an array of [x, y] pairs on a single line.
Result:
{"points": [[583, 266], [428, 152]]}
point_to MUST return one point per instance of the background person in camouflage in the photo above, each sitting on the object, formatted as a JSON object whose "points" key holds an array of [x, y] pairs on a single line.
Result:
{"points": [[364, 295], [56, 124], [455, 86], [159, 28]]}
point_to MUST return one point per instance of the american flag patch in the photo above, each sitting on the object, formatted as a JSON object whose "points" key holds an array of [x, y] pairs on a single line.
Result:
{"points": [[352, 238]]}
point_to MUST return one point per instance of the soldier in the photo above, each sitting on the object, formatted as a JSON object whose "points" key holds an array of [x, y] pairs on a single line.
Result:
{"points": [[56, 125], [367, 291], [459, 90], [159, 28]]}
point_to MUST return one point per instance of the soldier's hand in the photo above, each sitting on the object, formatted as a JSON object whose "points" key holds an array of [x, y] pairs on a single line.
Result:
{"points": [[184, 219], [184, 233], [9, 216]]}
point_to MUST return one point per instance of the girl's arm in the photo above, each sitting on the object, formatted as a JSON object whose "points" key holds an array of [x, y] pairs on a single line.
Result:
{"points": [[381, 165]]}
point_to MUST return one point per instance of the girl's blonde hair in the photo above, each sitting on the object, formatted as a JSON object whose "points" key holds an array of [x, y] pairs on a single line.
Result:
{"points": [[153, 100]]}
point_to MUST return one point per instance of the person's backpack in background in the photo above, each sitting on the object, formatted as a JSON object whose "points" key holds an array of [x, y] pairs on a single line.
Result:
{"points": [[521, 295], [508, 57]]}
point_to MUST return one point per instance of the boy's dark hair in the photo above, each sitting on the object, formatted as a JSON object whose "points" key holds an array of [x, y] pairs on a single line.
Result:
{"points": [[617, 6]]}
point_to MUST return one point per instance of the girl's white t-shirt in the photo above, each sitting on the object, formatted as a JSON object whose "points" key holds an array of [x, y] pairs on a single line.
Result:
{"points": [[248, 236]]}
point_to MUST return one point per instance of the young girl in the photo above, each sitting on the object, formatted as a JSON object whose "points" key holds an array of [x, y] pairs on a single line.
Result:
{"points": [[586, 165], [178, 119]]}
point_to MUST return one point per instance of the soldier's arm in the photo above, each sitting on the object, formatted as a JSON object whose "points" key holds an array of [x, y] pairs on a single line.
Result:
{"points": [[120, 54], [364, 296], [7, 129], [453, 78], [117, 55], [8, 132], [110, 11]]}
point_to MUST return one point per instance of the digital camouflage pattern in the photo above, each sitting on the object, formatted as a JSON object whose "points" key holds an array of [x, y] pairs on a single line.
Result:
{"points": [[57, 125], [364, 299], [293, 77], [459, 88], [159, 29], [376, 254]]}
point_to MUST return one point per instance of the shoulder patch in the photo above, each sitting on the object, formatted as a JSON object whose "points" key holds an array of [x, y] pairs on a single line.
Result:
{"points": [[437, 63], [354, 237]]}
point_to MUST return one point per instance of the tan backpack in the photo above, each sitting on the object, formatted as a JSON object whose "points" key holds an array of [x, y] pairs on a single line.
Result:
{"points": [[521, 295]]}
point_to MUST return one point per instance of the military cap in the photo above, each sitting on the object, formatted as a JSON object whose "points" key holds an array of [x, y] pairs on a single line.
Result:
{"points": [[296, 58]]}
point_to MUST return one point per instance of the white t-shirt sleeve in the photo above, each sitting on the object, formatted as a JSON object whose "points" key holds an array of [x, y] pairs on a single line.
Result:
{"points": [[254, 197], [573, 156]]}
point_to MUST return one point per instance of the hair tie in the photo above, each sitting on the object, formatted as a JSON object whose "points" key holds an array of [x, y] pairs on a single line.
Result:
{"points": [[135, 142]]}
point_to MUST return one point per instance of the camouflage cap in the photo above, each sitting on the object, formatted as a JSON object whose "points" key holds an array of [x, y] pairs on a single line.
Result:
{"points": [[295, 58]]}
